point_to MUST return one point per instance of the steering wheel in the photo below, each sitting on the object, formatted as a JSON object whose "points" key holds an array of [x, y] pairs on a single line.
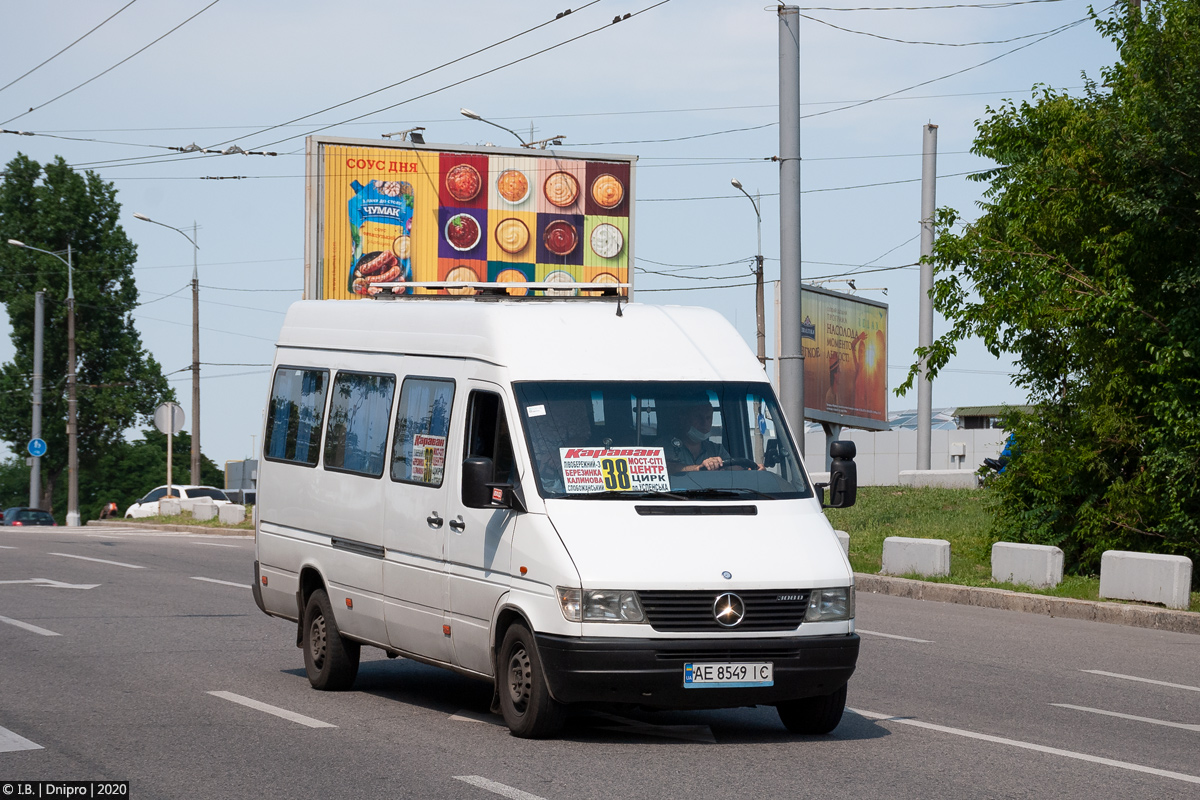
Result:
{"points": [[730, 463]]}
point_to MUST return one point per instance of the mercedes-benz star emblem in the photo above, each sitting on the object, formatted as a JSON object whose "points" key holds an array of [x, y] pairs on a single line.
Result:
{"points": [[727, 575], [729, 610]]}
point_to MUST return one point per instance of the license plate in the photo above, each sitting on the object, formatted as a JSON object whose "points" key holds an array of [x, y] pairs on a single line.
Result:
{"points": [[726, 674]]}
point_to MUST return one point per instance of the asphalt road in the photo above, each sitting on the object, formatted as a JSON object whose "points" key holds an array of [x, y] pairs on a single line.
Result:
{"points": [[166, 675]]}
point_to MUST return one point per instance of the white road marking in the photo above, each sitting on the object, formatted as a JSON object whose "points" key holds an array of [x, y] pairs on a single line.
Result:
{"points": [[215, 544], [497, 788], [473, 716], [275, 710], [1183, 725], [28, 627], [223, 583], [7, 547], [1142, 680], [1054, 751], [99, 560], [56, 584], [892, 636], [10, 742]]}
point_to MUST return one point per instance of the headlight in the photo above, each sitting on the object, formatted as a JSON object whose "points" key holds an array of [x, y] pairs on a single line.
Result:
{"points": [[828, 605], [600, 605]]}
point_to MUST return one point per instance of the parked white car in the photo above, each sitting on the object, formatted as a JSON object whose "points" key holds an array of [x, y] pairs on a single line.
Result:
{"points": [[148, 505]]}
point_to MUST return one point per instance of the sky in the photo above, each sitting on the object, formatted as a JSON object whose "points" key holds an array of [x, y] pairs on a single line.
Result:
{"points": [[688, 86]]}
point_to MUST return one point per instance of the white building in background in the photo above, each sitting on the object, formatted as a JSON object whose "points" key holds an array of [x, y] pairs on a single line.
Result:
{"points": [[960, 439]]}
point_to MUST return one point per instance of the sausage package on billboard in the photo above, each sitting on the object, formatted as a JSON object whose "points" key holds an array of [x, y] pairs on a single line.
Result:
{"points": [[381, 215]]}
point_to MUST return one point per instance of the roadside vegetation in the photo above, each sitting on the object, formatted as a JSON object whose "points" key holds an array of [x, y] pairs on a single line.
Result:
{"points": [[961, 517], [186, 519]]}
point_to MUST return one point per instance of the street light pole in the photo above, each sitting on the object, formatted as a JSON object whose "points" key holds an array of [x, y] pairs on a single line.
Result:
{"points": [[72, 420], [39, 325], [469, 114], [759, 311], [195, 342]]}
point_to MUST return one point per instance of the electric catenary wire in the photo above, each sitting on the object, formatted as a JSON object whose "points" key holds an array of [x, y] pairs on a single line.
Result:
{"points": [[114, 66], [68, 47]]}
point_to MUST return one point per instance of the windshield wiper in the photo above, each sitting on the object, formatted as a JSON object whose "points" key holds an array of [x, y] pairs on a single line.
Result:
{"points": [[733, 491], [619, 495]]}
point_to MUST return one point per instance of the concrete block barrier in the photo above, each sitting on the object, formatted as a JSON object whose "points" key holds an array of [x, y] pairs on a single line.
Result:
{"points": [[203, 511], [844, 538], [1031, 564], [902, 555], [1148, 577], [169, 507], [944, 478], [189, 505], [232, 514]]}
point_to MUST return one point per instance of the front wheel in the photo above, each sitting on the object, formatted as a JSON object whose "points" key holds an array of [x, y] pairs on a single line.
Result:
{"points": [[330, 660], [813, 716], [525, 702]]}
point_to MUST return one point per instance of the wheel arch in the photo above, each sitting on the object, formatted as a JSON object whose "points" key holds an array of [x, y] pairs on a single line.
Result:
{"points": [[311, 579]]}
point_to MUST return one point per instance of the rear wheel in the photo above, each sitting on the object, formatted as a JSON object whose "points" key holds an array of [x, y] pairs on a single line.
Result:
{"points": [[330, 660], [529, 710], [813, 716]]}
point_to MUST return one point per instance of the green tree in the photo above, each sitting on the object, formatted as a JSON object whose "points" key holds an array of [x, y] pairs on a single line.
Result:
{"points": [[1085, 265], [50, 206]]}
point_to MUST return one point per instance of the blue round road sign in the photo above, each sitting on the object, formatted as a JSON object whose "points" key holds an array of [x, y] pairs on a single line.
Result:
{"points": [[36, 448]]}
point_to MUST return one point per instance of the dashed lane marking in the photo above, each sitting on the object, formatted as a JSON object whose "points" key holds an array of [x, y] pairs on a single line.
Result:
{"points": [[474, 716], [11, 742], [1054, 751], [497, 788], [283, 713], [27, 627], [99, 560], [1142, 680], [216, 544], [1182, 725], [893, 636], [223, 583]]}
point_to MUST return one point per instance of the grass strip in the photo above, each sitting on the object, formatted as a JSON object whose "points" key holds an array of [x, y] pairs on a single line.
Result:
{"points": [[957, 515]]}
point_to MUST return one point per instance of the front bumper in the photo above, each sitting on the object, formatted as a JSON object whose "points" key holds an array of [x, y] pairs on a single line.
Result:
{"points": [[649, 672]]}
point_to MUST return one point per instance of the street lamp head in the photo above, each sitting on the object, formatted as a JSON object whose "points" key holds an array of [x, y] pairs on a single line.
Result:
{"points": [[142, 217], [15, 243], [469, 114], [736, 183]]}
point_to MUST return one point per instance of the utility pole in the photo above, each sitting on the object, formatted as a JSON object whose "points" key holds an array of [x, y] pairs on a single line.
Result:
{"points": [[39, 325], [924, 386], [72, 419], [195, 360], [791, 347]]}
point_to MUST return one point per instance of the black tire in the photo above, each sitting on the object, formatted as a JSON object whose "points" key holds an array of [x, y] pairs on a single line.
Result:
{"points": [[330, 659], [525, 702], [813, 716]]}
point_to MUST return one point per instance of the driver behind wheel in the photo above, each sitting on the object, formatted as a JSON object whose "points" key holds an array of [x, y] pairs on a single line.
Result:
{"points": [[691, 449]]}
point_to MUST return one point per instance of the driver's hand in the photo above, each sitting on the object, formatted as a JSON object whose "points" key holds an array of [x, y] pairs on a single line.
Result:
{"points": [[713, 462]]}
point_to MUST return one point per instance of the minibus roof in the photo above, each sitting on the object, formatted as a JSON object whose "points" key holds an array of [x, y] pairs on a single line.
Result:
{"points": [[546, 339]]}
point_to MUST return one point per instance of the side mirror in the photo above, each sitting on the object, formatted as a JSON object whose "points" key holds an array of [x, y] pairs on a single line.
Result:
{"points": [[843, 476], [478, 490], [771, 456]]}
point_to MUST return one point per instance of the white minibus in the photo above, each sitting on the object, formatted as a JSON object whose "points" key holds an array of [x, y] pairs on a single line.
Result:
{"points": [[577, 501]]}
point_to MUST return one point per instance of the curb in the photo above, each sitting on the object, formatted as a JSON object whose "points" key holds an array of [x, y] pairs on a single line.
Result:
{"points": [[1162, 619], [128, 523]]}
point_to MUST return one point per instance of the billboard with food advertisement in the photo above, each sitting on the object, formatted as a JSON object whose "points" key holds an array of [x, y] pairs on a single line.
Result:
{"points": [[845, 358], [383, 212]]}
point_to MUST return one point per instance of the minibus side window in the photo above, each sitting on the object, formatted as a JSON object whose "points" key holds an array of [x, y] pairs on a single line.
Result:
{"points": [[487, 434], [422, 428], [295, 414], [358, 423]]}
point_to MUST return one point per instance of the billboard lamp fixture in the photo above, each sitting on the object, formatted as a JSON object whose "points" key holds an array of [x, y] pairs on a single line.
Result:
{"points": [[404, 135]]}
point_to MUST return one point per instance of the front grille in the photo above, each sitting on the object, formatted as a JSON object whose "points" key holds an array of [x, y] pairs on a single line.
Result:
{"points": [[684, 612]]}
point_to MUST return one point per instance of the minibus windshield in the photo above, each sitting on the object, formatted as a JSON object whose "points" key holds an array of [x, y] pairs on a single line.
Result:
{"points": [[667, 440]]}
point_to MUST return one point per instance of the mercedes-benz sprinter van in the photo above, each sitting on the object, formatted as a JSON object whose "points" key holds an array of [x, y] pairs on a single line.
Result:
{"points": [[575, 500]]}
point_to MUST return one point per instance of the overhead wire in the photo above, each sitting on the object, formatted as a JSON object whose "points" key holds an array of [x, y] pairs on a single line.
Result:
{"points": [[114, 66], [930, 44], [559, 16], [68, 47]]}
